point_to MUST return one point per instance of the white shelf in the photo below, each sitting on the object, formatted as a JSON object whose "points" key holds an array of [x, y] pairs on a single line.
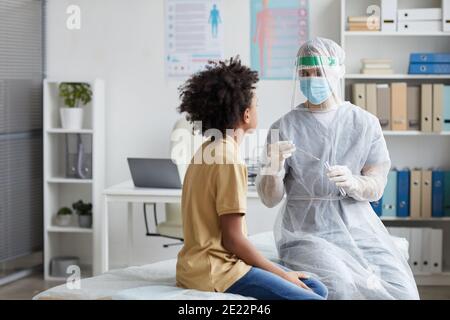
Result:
{"points": [[415, 133], [434, 279], [395, 34], [64, 131], [84, 275], [56, 279], [417, 149], [69, 229], [399, 76], [68, 180], [60, 191], [58, 80], [408, 219]]}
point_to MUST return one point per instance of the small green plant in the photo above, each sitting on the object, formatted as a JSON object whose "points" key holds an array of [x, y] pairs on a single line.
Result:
{"points": [[64, 211], [83, 209], [74, 93]]}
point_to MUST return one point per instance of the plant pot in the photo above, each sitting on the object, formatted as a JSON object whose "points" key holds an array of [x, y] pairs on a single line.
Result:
{"points": [[63, 220], [85, 221], [71, 118]]}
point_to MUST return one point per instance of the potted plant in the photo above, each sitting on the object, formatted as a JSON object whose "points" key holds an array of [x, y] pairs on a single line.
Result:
{"points": [[64, 217], [84, 211], [75, 95]]}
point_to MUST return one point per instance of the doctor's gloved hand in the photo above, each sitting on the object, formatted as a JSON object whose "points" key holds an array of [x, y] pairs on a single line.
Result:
{"points": [[343, 178], [277, 153]]}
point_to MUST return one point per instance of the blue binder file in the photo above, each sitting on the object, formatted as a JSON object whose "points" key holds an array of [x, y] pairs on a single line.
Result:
{"points": [[429, 58], [446, 111], [403, 193], [447, 194], [390, 196], [437, 193], [377, 206], [432, 68]]}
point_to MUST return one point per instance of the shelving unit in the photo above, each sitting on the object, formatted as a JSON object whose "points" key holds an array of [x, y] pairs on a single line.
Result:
{"points": [[69, 229], [393, 34], [407, 148], [60, 130], [396, 77], [67, 180], [415, 133], [62, 191], [414, 220]]}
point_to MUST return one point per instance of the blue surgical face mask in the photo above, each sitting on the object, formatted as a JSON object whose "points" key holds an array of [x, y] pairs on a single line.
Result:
{"points": [[316, 89]]}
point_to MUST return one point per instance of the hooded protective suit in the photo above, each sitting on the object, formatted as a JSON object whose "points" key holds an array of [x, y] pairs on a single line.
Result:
{"points": [[320, 229]]}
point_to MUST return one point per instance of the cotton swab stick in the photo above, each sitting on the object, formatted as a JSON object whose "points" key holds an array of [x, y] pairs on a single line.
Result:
{"points": [[342, 191], [327, 166]]}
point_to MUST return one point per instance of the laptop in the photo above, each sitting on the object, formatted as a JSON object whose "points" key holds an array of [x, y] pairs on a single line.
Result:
{"points": [[154, 173]]}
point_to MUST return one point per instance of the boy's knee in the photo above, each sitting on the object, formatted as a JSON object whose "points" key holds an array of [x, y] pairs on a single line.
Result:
{"points": [[318, 287], [322, 290]]}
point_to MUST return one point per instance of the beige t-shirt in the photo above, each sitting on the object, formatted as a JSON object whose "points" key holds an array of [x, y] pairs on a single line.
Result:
{"points": [[209, 191]]}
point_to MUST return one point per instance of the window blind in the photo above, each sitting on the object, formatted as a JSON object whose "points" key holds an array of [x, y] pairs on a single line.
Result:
{"points": [[21, 72]]}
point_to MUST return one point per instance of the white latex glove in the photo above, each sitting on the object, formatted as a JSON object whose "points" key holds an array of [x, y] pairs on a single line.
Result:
{"points": [[277, 153], [343, 178]]}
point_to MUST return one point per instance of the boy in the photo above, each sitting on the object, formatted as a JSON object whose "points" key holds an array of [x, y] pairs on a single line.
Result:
{"points": [[217, 256]]}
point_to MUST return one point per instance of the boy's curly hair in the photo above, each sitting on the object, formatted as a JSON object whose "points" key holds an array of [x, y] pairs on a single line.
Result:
{"points": [[219, 95]]}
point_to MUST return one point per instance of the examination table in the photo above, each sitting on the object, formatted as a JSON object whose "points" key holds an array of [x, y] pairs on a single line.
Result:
{"points": [[157, 280]]}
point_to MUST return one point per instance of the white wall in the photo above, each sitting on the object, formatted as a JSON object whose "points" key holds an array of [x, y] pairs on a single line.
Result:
{"points": [[122, 41]]}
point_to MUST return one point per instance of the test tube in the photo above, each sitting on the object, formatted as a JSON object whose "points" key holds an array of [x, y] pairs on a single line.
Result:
{"points": [[342, 191]]}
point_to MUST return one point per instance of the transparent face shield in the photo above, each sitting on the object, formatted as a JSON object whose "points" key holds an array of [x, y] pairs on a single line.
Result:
{"points": [[317, 80]]}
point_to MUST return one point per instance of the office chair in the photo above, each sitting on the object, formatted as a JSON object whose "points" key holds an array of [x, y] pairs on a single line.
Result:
{"points": [[172, 227]]}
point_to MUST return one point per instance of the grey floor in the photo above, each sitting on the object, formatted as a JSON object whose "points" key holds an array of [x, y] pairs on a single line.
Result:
{"points": [[26, 288]]}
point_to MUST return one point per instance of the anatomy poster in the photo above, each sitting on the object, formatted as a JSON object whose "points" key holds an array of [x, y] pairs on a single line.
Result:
{"points": [[194, 35], [278, 28]]}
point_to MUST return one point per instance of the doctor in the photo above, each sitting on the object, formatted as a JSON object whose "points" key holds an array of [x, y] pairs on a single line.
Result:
{"points": [[330, 159]]}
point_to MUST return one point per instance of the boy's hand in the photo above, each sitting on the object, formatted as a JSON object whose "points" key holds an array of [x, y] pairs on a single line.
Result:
{"points": [[295, 276]]}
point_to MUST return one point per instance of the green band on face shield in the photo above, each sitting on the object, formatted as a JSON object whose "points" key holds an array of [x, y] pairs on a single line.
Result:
{"points": [[317, 61]]}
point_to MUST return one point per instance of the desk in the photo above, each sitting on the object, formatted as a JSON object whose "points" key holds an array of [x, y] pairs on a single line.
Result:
{"points": [[128, 193]]}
